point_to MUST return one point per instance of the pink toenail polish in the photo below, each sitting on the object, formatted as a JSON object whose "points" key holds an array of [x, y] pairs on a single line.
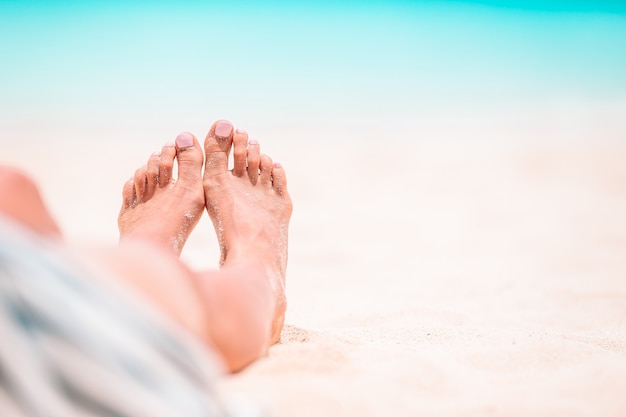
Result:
{"points": [[241, 131], [169, 144], [253, 142], [184, 140], [278, 165], [223, 129]]}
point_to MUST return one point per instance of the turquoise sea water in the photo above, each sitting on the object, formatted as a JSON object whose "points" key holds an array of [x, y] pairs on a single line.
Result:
{"points": [[146, 61]]}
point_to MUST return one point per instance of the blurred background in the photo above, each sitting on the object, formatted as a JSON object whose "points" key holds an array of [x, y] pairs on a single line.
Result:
{"points": [[136, 64]]}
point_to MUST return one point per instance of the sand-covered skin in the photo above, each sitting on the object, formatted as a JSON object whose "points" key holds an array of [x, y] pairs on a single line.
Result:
{"points": [[428, 275], [158, 207]]}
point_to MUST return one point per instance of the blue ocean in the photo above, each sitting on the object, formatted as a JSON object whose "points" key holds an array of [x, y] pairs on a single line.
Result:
{"points": [[300, 63]]}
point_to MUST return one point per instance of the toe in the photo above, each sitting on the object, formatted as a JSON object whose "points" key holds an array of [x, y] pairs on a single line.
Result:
{"points": [[254, 161], [240, 149], [166, 163], [152, 175], [189, 156], [140, 183], [279, 179], [128, 194], [217, 146], [265, 178]]}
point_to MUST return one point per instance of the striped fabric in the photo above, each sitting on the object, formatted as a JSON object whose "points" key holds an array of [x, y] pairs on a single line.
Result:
{"points": [[71, 346]]}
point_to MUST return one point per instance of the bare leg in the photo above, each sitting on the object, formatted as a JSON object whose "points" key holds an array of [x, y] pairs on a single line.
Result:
{"points": [[237, 311], [159, 208], [21, 201], [164, 279], [250, 209]]}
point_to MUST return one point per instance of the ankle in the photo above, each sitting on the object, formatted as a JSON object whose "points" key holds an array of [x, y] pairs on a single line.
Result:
{"points": [[251, 257]]}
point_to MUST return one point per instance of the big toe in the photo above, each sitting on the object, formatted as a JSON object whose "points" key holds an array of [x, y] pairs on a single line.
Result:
{"points": [[217, 146], [189, 156]]}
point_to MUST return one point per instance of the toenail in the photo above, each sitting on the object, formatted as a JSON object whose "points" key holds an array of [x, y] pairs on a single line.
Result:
{"points": [[241, 131], [253, 142], [184, 140], [169, 144], [223, 129], [278, 165], [156, 153]]}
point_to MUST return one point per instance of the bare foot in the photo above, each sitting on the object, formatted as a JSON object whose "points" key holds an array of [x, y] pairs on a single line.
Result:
{"points": [[249, 206], [156, 206]]}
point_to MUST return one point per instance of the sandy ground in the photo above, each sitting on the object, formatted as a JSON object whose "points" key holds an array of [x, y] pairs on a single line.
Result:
{"points": [[475, 271]]}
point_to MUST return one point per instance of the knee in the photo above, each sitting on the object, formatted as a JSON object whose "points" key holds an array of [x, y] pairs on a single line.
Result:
{"points": [[21, 201], [14, 180]]}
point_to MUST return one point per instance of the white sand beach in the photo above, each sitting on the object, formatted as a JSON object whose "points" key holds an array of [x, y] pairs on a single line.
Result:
{"points": [[472, 267]]}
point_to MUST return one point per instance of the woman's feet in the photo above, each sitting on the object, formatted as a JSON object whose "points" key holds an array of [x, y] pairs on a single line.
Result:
{"points": [[249, 206], [158, 207]]}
